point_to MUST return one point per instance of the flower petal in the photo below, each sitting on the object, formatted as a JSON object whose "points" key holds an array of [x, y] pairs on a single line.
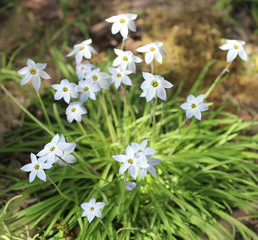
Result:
{"points": [[231, 55]]}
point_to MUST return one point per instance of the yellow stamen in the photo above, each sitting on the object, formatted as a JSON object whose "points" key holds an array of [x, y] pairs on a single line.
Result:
{"points": [[82, 48], [82, 68], [130, 161], [33, 71], [73, 110], [125, 59], [65, 89], [119, 75], [193, 105], [236, 47], [152, 49], [36, 167], [52, 149], [140, 151], [154, 84], [86, 89], [92, 208], [122, 21], [95, 78]]}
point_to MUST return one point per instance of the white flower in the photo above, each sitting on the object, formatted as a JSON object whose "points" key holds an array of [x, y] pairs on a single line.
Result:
{"points": [[234, 47], [33, 71], [82, 69], [151, 162], [36, 167], [126, 60], [74, 111], [100, 78], [141, 148], [65, 90], [131, 161], [81, 50], [154, 86], [92, 209], [67, 149], [119, 76], [122, 22], [152, 50], [51, 150], [130, 186], [194, 106], [88, 89]]}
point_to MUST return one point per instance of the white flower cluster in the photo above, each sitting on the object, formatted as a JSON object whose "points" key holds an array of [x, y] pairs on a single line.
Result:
{"points": [[137, 158], [58, 150]]}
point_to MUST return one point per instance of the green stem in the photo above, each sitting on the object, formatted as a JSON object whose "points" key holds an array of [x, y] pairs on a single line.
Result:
{"points": [[82, 128], [123, 192], [217, 81], [152, 67], [123, 44], [44, 110], [57, 188], [27, 112], [154, 130], [103, 224]]}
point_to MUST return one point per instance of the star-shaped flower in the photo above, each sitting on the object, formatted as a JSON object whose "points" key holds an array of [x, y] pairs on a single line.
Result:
{"points": [[82, 69], [65, 90], [51, 150], [126, 60], [99, 78], [119, 76], [130, 186], [152, 50], [141, 148], [154, 86], [194, 106], [88, 89], [234, 47], [67, 149], [131, 161], [151, 162], [74, 111], [36, 168], [122, 22], [92, 209], [81, 50], [34, 72]]}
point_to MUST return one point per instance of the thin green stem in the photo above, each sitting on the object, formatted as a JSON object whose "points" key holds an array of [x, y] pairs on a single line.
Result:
{"points": [[123, 44], [44, 110], [152, 67], [103, 224], [27, 112], [82, 128], [217, 81], [123, 192], [154, 130], [57, 188]]}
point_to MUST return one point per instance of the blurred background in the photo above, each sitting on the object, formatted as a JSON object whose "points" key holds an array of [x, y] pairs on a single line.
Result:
{"points": [[192, 31]]}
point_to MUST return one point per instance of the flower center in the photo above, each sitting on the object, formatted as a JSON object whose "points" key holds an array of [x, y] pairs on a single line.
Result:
{"points": [[154, 84], [82, 48], [130, 186], [73, 110], [236, 47], [122, 21], [130, 161], [92, 208], [65, 89], [52, 149], [140, 151], [33, 71], [152, 49], [36, 167], [126, 59], [82, 68], [193, 105], [95, 78], [119, 75], [86, 89]]}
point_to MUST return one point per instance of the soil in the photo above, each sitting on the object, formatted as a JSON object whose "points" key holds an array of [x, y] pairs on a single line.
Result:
{"points": [[190, 30]]}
